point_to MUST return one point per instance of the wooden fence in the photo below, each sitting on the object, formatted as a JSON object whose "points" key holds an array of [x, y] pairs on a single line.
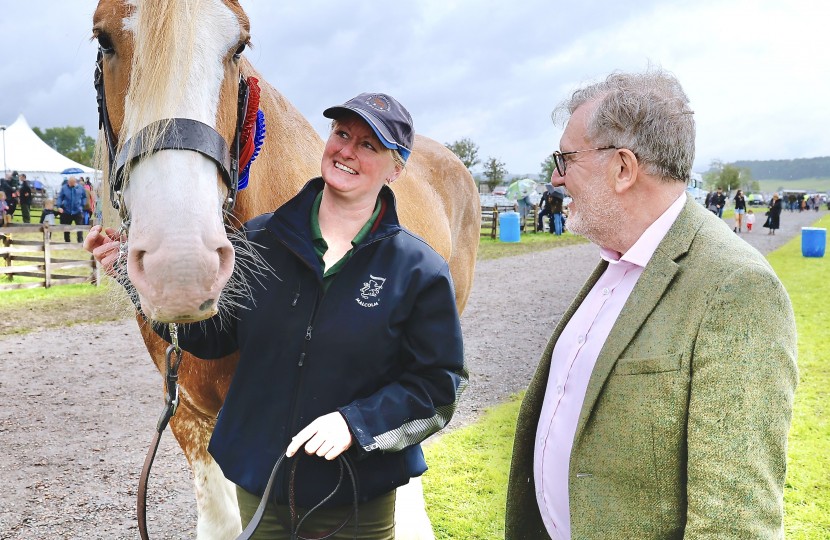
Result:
{"points": [[490, 219], [45, 263]]}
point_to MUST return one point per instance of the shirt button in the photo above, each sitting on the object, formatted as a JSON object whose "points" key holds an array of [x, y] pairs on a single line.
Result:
{"points": [[580, 339], [541, 440], [559, 389], [539, 494], [605, 291]]}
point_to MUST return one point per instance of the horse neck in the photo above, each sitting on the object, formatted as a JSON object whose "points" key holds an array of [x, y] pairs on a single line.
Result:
{"points": [[290, 155]]}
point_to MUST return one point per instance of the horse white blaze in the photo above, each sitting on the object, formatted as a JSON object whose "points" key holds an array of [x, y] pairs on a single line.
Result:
{"points": [[179, 255]]}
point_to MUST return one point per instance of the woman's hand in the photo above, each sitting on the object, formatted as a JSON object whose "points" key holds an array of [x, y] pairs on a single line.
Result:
{"points": [[104, 247], [329, 434]]}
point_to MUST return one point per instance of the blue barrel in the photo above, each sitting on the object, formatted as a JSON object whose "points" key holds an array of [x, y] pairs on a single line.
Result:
{"points": [[509, 227], [813, 240]]}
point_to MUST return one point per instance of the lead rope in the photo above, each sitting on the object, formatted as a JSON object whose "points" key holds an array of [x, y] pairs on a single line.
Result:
{"points": [[172, 361]]}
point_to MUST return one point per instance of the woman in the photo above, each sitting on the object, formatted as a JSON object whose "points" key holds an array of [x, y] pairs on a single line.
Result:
{"points": [[774, 214], [740, 210], [353, 344]]}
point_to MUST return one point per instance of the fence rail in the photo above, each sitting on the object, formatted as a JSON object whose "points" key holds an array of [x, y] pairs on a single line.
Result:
{"points": [[47, 264]]}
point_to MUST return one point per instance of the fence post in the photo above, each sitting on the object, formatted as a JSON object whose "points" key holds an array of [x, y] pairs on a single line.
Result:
{"points": [[47, 254], [7, 242]]}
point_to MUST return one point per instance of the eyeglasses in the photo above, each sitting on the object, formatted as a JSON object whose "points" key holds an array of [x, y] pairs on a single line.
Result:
{"points": [[559, 157]]}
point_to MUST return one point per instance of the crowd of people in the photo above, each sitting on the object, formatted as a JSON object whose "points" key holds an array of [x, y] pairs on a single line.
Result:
{"points": [[75, 202], [716, 202]]}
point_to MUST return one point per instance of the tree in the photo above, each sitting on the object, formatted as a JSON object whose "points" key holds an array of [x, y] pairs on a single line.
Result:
{"points": [[494, 172], [727, 176], [466, 150], [72, 142], [548, 168]]}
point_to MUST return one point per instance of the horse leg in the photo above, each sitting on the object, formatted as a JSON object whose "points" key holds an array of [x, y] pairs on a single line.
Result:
{"points": [[218, 512], [411, 520]]}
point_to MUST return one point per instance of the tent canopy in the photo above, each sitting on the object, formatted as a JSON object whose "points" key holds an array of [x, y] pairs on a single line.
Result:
{"points": [[25, 152]]}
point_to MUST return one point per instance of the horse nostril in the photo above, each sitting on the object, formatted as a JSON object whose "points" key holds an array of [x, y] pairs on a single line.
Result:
{"points": [[139, 260]]}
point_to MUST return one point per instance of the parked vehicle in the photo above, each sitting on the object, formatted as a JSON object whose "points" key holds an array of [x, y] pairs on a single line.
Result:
{"points": [[756, 199], [500, 190]]}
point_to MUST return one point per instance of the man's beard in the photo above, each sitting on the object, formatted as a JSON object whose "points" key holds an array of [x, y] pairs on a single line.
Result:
{"points": [[598, 214]]}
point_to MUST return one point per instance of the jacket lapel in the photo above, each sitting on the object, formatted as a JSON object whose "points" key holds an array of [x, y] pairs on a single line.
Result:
{"points": [[648, 291]]}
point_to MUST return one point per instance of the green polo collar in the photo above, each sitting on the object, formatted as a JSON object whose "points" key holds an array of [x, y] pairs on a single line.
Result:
{"points": [[320, 245]]}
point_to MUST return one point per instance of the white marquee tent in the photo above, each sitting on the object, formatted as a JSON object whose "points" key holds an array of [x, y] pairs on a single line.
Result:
{"points": [[25, 152]]}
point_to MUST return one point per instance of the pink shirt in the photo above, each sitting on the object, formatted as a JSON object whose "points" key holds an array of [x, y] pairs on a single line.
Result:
{"points": [[574, 356]]}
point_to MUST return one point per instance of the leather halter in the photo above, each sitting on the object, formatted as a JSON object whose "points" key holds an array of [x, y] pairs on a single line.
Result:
{"points": [[177, 134]]}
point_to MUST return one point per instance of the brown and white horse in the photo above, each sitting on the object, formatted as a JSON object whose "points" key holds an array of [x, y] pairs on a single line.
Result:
{"points": [[171, 58]]}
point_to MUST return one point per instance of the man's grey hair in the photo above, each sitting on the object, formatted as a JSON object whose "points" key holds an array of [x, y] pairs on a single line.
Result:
{"points": [[647, 113]]}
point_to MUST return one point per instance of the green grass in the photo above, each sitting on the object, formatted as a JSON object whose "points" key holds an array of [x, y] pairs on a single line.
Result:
{"points": [[495, 249], [8, 298], [818, 184], [807, 496], [466, 486]]}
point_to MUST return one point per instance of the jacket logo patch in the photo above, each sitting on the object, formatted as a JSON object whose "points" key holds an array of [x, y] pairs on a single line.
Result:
{"points": [[370, 291]]}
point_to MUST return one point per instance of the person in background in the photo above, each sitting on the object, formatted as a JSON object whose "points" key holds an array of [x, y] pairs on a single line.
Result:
{"points": [[25, 198], [816, 203], [791, 202], [10, 186], [557, 220], [49, 213], [750, 220], [89, 206], [544, 210], [740, 210], [774, 214], [71, 201], [5, 218], [719, 200]]}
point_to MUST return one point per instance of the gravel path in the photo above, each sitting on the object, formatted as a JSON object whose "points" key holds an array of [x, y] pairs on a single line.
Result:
{"points": [[791, 223], [77, 414]]}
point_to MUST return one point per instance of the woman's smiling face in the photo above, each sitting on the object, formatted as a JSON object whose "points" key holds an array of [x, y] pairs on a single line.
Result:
{"points": [[354, 160]]}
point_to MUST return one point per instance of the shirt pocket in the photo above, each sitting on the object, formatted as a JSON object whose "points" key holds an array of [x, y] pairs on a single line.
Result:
{"points": [[642, 366]]}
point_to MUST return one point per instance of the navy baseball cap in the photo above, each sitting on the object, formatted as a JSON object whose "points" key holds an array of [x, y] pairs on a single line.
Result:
{"points": [[388, 118]]}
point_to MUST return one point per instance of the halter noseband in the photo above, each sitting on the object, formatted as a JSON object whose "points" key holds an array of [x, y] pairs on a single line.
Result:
{"points": [[177, 134]]}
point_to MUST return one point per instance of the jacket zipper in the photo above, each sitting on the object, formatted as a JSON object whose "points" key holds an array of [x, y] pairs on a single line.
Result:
{"points": [[317, 302]]}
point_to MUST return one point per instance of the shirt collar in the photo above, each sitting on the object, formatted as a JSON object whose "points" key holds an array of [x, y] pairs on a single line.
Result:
{"points": [[641, 252]]}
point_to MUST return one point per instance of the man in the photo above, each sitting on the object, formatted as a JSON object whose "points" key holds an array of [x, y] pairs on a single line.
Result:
{"points": [[719, 200], [71, 200], [25, 198], [10, 187], [661, 406]]}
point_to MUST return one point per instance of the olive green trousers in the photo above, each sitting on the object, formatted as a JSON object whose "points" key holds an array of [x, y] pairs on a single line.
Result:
{"points": [[376, 519]]}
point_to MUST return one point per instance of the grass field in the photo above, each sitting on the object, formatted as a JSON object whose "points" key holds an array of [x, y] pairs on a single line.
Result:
{"points": [[494, 249], [465, 488], [818, 184]]}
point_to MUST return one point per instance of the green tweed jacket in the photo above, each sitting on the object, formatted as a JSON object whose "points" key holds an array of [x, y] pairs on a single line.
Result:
{"points": [[683, 431]]}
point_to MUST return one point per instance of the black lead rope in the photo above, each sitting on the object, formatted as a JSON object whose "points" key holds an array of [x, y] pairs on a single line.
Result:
{"points": [[172, 361], [346, 465]]}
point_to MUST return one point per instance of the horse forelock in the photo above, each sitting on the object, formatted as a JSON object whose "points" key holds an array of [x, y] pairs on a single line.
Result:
{"points": [[177, 62]]}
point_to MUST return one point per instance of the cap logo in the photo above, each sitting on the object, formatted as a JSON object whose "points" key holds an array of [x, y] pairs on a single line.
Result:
{"points": [[378, 102]]}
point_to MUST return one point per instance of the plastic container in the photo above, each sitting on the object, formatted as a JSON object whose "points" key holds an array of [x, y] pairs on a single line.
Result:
{"points": [[813, 241], [509, 227]]}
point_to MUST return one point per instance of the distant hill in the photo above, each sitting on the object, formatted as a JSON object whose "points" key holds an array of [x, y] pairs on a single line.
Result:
{"points": [[788, 169]]}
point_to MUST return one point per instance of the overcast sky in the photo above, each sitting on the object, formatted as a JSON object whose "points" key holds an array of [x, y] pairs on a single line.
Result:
{"points": [[756, 72]]}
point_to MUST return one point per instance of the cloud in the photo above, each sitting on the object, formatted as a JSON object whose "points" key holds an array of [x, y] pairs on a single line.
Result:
{"points": [[489, 70]]}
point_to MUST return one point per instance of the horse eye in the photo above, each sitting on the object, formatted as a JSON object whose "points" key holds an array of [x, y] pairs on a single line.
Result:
{"points": [[238, 54], [105, 44]]}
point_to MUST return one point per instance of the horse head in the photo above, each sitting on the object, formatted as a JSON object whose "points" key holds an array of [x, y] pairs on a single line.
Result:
{"points": [[165, 59]]}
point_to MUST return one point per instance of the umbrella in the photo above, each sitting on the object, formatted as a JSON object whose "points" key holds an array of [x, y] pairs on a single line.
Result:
{"points": [[72, 170], [520, 189], [38, 185], [557, 192]]}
